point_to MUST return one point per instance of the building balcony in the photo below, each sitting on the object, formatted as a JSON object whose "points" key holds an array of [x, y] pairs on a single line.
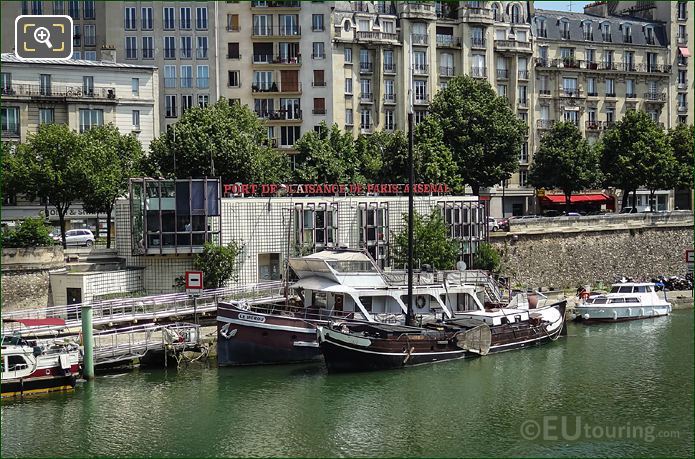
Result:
{"points": [[366, 67], [683, 84], [545, 124], [376, 36], [522, 74], [597, 125], [446, 71], [448, 41], [59, 92], [366, 128], [571, 63], [513, 45], [422, 99], [289, 87], [417, 10], [389, 67], [630, 95], [421, 69], [478, 42], [389, 99], [280, 115], [276, 31], [478, 15], [572, 93], [502, 74], [522, 103], [682, 108], [544, 92], [269, 59], [610, 94], [11, 130], [655, 96], [235, 57], [277, 4], [479, 72], [420, 39], [367, 98], [682, 39]]}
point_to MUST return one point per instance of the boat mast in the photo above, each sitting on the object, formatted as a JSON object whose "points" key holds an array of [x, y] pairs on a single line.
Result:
{"points": [[411, 180]]}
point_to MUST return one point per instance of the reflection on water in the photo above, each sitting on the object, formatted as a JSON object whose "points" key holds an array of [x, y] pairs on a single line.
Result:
{"points": [[634, 372]]}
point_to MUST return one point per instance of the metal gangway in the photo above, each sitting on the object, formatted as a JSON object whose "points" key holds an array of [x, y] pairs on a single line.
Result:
{"points": [[123, 345], [143, 309]]}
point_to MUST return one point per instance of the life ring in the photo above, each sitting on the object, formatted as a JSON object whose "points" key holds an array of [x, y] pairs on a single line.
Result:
{"points": [[420, 302], [48, 372]]}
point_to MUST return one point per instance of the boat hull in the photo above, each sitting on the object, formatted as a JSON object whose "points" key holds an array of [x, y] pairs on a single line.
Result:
{"points": [[589, 315], [342, 353], [252, 338], [27, 386]]}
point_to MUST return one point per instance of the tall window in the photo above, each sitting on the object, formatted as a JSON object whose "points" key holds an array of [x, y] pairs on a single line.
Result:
{"points": [[420, 90], [46, 116], [541, 29], [74, 9], [366, 88], [169, 20], [90, 118], [186, 76], [131, 47], [262, 24], [366, 119], [630, 88], [316, 225], [186, 47], [169, 47], [374, 230], [148, 47], [348, 85], [202, 80], [147, 21], [289, 135], [610, 87], [233, 23], [201, 18], [606, 32], [45, 84], [170, 106], [389, 63], [263, 81], [169, 76], [185, 20], [627, 33], [88, 85], [349, 117], [389, 120], [88, 9], [90, 35], [317, 22], [129, 19], [136, 119], [516, 14], [135, 86], [186, 102], [6, 82], [347, 55], [202, 49], [318, 50], [565, 29], [591, 86], [9, 117]]}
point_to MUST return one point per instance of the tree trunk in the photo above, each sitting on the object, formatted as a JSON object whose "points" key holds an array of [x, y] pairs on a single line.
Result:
{"points": [[634, 199], [61, 220], [626, 197], [652, 200], [568, 200], [96, 228], [109, 210], [476, 189]]}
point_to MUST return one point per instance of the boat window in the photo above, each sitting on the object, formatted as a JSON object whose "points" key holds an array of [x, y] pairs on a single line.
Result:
{"points": [[352, 266], [650, 289], [640, 289], [600, 300], [632, 300], [16, 362], [617, 300], [615, 289], [366, 302], [625, 290], [319, 299]]}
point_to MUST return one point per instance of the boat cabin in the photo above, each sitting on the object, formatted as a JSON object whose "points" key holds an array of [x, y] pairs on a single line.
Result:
{"points": [[497, 316]]}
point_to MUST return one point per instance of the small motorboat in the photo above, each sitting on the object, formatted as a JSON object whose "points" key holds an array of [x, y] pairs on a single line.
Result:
{"points": [[353, 346], [625, 301]]}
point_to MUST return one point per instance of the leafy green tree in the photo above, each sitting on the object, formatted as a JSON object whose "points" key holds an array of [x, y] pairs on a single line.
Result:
{"points": [[681, 140], [564, 160], [31, 232], [434, 162], [113, 158], [431, 244], [627, 151], [227, 138], [218, 263], [53, 168], [11, 169], [481, 130], [327, 156], [487, 258]]}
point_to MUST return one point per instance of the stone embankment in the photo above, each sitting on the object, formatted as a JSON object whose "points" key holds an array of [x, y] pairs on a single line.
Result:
{"points": [[568, 252], [25, 276]]}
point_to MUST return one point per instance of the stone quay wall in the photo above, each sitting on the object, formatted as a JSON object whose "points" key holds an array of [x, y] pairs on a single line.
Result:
{"points": [[562, 258], [25, 276]]}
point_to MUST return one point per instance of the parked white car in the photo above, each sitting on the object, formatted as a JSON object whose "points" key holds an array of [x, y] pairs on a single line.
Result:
{"points": [[492, 224], [77, 237]]}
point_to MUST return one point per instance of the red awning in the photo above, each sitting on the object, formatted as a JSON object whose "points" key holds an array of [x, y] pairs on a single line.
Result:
{"points": [[685, 52], [598, 198], [38, 322]]}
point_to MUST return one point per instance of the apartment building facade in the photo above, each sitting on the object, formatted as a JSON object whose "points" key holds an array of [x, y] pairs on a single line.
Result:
{"points": [[355, 63]]}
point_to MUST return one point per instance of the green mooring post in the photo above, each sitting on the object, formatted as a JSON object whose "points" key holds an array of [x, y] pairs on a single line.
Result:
{"points": [[88, 341]]}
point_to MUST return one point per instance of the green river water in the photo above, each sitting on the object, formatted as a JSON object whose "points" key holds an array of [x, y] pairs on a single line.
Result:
{"points": [[605, 390]]}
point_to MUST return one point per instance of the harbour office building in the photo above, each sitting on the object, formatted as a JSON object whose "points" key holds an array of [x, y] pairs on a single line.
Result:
{"points": [[164, 223]]}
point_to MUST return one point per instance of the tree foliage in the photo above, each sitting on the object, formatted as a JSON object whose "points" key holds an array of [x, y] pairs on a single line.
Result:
{"points": [[431, 244], [51, 165], [327, 156], [113, 158], [31, 232], [564, 160], [487, 258], [228, 137], [681, 140], [634, 153], [218, 263], [481, 130]]}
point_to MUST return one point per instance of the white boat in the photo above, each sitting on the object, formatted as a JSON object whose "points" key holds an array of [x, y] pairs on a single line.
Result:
{"points": [[626, 301]]}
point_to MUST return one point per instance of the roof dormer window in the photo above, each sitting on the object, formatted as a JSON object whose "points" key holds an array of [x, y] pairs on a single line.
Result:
{"points": [[565, 29], [588, 30], [649, 35], [627, 33], [516, 14], [606, 32], [541, 29]]}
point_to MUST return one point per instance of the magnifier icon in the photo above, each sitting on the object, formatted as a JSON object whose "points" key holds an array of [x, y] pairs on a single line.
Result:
{"points": [[42, 35]]}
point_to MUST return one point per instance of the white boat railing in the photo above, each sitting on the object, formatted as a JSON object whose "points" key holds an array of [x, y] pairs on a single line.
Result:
{"points": [[142, 308]]}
